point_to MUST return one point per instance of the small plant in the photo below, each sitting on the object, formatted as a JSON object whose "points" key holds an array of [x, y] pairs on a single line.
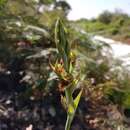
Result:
{"points": [[65, 69]]}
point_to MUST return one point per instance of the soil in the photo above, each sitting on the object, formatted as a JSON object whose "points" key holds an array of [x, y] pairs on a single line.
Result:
{"points": [[17, 113]]}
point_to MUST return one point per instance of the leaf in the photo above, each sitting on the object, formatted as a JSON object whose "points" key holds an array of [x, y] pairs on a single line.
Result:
{"points": [[62, 43], [72, 108], [2, 2], [77, 99], [126, 100]]}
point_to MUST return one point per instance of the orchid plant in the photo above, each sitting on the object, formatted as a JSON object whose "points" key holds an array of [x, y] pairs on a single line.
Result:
{"points": [[64, 68]]}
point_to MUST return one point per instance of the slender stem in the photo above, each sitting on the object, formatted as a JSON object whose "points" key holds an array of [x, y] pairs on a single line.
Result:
{"points": [[69, 98], [68, 122], [68, 95]]}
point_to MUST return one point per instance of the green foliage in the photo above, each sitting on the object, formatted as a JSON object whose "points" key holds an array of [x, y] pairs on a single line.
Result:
{"points": [[110, 24], [105, 17], [2, 5], [62, 44], [47, 1], [116, 89], [113, 31], [27, 24], [63, 5], [68, 78]]}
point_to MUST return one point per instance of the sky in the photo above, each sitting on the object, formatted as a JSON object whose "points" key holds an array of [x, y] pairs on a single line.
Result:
{"points": [[92, 8]]}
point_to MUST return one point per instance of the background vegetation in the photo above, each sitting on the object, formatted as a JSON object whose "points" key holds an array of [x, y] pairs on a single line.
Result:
{"points": [[110, 24]]}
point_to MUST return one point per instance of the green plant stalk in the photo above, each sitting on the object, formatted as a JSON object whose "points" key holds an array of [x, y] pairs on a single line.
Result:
{"points": [[70, 116], [64, 53], [68, 122], [72, 105]]}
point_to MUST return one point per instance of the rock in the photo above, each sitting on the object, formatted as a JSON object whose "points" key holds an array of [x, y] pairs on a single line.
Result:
{"points": [[52, 111]]}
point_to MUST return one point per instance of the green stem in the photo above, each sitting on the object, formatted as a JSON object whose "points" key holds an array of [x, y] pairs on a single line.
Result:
{"points": [[68, 122], [68, 95], [69, 98]]}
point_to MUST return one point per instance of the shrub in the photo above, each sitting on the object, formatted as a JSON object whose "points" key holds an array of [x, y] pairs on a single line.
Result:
{"points": [[113, 31], [105, 17]]}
